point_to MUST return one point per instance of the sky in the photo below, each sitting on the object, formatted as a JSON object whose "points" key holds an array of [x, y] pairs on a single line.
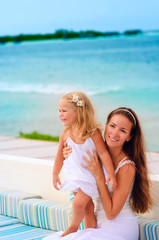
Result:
{"points": [[46, 16]]}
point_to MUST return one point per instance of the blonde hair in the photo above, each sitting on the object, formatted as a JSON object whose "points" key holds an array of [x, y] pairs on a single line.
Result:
{"points": [[140, 199], [86, 121]]}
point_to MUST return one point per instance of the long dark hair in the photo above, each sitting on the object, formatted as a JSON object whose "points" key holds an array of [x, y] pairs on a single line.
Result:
{"points": [[140, 199]]}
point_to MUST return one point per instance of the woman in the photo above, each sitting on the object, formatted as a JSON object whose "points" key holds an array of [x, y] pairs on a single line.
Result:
{"points": [[114, 210]]}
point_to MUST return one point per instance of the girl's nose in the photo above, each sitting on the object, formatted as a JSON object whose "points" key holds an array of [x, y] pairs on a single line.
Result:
{"points": [[60, 114]]}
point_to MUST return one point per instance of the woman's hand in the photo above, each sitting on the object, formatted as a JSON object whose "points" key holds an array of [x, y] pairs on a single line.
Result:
{"points": [[93, 165], [66, 150]]}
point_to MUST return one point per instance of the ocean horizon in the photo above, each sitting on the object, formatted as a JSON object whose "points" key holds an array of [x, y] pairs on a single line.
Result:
{"points": [[113, 72]]}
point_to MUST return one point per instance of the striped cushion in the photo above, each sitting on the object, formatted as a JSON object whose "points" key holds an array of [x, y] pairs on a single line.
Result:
{"points": [[21, 231], [9, 201], [4, 220], [45, 214], [149, 228]]}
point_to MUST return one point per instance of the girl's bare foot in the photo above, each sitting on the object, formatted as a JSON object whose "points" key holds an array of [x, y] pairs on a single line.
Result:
{"points": [[71, 229]]}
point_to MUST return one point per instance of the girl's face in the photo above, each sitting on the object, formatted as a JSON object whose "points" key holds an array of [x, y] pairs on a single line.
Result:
{"points": [[118, 131], [67, 113]]}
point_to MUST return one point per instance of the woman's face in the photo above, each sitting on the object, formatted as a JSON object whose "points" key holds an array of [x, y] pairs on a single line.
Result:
{"points": [[118, 131]]}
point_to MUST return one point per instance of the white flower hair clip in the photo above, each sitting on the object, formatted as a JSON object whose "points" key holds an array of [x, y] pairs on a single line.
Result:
{"points": [[78, 102]]}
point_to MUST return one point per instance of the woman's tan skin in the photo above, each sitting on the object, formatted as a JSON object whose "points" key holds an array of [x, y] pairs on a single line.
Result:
{"points": [[117, 132], [112, 206]]}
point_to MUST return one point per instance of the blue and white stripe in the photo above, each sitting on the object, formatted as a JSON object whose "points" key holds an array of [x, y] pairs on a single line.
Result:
{"points": [[148, 228], [9, 201], [45, 214], [21, 232], [5, 220]]}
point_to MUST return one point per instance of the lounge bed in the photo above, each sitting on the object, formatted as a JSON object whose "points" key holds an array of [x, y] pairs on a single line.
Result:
{"points": [[31, 209], [27, 216]]}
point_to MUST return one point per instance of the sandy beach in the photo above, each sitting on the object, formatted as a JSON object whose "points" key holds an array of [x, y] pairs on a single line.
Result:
{"points": [[28, 148]]}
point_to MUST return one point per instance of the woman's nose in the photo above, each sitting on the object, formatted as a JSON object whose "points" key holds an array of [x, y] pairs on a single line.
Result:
{"points": [[115, 132]]}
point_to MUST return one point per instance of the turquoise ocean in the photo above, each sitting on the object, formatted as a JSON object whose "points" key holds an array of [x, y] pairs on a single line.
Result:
{"points": [[113, 71]]}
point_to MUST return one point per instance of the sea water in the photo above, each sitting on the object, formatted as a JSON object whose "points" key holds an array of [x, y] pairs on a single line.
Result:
{"points": [[114, 72]]}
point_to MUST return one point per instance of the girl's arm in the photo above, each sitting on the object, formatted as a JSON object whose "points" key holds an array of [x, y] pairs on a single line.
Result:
{"points": [[105, 158], [58, 163], [125, 177]]}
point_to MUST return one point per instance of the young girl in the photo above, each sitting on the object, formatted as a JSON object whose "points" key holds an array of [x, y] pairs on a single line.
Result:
{"points": [[82, 133]]}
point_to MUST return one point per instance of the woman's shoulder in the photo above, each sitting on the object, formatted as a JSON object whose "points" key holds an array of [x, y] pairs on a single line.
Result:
{"points": [[126, 173], [126, 166]]}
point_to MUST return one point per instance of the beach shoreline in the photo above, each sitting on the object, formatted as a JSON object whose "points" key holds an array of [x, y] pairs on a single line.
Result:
{"points": [[113, 72]]}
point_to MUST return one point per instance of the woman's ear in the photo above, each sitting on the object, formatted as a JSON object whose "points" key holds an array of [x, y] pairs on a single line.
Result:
{"points": [[129, 138]]}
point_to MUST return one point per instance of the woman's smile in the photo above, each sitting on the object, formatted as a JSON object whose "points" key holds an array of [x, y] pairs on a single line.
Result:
{"points": [[112, 139]]}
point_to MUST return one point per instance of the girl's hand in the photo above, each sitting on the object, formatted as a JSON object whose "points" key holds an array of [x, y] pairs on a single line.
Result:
{"points": [[66, 150], [94, 165], [111, 177], [56, 181]]}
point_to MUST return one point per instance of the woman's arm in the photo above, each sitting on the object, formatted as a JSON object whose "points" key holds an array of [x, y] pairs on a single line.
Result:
{"points": [[125, 177], [58, 163], [104, 157]]}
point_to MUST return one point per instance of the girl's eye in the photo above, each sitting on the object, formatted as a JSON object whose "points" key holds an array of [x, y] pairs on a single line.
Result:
{"points": [[62, 111], [112, 125]]}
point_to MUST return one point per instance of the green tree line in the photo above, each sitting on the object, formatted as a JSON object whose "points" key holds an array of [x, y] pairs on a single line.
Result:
{"points": [[63, 34]]}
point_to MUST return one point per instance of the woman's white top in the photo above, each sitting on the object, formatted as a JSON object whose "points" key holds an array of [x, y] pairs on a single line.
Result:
{"points": [[100, 214]]}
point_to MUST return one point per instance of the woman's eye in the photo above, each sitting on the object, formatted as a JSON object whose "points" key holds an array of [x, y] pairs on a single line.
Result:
{"points": [[112, 125], [123, 131]]}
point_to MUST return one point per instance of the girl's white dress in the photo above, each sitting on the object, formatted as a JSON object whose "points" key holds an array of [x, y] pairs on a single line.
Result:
{"points": [[123, 227], [77, 176]]}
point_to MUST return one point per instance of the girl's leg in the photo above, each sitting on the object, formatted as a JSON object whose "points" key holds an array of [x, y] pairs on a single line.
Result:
{"points": [[78, 211], [89, 218]]}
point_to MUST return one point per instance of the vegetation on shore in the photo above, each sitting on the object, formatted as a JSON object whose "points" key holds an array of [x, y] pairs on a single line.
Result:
{"points": [[39, 136], [64, 34]]}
